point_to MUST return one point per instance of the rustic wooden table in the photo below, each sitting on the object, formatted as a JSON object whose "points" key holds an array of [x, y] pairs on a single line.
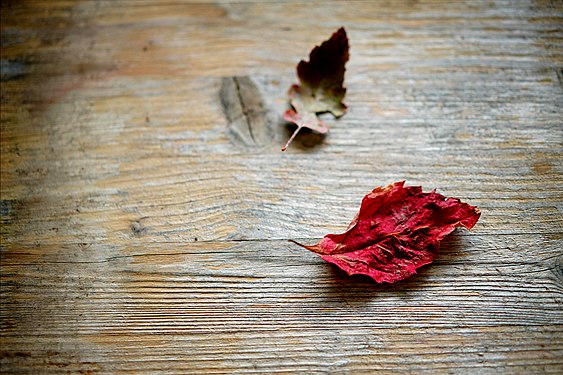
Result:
{"points": [[145, 231]]}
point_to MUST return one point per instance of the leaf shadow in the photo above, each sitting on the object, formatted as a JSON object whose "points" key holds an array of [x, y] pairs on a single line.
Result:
{"points": [[305, 140], [453, 246], [358, 290]]}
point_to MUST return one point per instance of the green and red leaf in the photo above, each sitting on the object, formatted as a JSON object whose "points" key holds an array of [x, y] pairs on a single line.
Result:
{"points": [[321, 85]]}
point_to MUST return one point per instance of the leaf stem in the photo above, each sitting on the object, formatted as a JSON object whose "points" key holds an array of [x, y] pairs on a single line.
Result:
{"points": [[314, 248], [291, 138]]}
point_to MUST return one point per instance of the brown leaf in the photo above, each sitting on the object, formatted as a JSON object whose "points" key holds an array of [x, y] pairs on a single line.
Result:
{"points": [[397, 230], [321, 85]]}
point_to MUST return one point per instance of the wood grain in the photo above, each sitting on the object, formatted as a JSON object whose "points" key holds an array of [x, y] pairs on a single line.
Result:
{"points": [[145, 222]]}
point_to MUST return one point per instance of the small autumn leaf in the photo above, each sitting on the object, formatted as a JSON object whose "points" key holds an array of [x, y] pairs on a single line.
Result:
{"points": [[320, 88], [397, 230]]}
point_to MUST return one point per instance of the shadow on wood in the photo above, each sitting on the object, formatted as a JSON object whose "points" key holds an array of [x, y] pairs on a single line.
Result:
{"points": [[306, 140], [361, 289]]}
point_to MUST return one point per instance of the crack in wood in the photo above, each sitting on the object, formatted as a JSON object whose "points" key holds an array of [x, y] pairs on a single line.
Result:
{"points": [[245, 112], [557, 269]]}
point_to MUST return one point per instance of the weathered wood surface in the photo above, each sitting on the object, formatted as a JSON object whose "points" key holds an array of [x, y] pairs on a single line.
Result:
{"points": [[144, 225]]}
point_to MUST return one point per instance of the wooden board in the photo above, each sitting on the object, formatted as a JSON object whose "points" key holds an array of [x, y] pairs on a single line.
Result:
{"points": [[145, 222]]}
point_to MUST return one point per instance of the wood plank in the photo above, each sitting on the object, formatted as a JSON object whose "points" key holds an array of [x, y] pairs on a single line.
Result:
{"points": [[209, 297]]}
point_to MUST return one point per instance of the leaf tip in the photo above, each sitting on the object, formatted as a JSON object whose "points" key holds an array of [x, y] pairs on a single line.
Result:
{"points": [[470, 221]]}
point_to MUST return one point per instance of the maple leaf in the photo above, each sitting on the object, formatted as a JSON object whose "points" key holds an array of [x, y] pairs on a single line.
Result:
{"points": [[320, 88], [397, 230]]}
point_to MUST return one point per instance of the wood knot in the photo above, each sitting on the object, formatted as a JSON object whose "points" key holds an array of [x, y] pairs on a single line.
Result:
{"points": [[138, 229]]}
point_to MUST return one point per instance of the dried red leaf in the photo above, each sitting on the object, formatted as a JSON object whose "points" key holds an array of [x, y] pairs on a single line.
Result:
{"points": [[397, 230], [320, 88]]}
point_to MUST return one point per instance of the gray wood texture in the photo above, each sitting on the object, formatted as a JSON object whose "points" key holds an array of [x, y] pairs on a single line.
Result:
{"points": [[146, 205]]}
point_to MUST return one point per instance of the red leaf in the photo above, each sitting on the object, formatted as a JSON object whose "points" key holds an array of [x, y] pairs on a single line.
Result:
{"points": [[397, 230], [320, 88]]}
